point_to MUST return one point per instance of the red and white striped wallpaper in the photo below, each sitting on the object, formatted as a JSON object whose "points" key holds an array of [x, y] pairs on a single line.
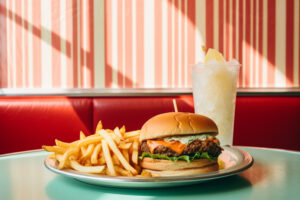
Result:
{"points": [[145, 43]]}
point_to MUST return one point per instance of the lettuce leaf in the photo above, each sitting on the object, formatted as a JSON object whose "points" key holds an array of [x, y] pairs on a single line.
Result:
{"points": [[182, 157]]}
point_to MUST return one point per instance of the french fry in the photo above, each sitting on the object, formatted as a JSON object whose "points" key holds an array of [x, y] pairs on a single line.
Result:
{"points": [[124, 145], [59, 157], [135, 152], [123, 130], [116, 138], [82, 135], [99, 126], [87, 162], [73, 144], [132, 134], [122, 171], [116, 160], [125, 154], [102, 159], [145, 174], [137, 168], [116, 151], [52, 156], [94, 157], [91, 169], [82, 148], [65, 157], [62, 144], [108, 130], [108, 159], [54, 149], [89, 140], [117, 132], [88, 152]]}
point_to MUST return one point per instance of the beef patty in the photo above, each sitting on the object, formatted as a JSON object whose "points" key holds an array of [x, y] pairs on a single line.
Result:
{"points": [[196, 146]]}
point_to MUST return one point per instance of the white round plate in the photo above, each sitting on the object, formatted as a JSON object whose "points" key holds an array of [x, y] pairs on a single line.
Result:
{"points": [[235, 160]]}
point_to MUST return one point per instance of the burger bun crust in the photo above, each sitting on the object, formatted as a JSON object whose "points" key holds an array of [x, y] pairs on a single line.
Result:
{"points": [[177, 123]]}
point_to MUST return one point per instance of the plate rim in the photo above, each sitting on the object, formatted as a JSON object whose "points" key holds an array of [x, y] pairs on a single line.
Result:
{"points": [[245, 164]]}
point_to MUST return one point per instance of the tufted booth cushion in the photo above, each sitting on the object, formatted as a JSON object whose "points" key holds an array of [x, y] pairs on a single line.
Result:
{"points": [[28, 122]]}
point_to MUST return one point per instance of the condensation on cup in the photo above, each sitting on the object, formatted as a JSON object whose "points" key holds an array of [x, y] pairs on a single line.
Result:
{"points": [[214, 92]]}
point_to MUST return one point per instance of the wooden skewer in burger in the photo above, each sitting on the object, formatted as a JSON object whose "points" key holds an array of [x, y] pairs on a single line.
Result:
{"points": [[178, 144]]}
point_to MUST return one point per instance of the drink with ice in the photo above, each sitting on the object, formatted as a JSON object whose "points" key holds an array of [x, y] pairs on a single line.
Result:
{"points": [[214, 92]]}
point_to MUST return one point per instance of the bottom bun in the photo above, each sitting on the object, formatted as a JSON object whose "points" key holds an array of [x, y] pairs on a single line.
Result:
{"points": [[184, 172], [166, 165]]}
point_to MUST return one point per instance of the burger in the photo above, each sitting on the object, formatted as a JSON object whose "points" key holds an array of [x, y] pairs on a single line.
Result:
{"points": [[178, 143]]}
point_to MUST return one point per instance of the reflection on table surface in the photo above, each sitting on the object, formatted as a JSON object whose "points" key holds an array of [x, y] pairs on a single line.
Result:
{"points": [[274, 175]]}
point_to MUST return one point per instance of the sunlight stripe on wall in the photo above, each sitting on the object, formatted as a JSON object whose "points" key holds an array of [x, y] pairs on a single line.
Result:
{"points": [[22, 13], [200, 30], [57, 14], [164, 43], [14, 49], [122, 48], [46, 44], [251, 46], [179, 41], [187, 75], [114, 43], [230, 30], [63, 45], [265, 43], [8, 49], [149, 44], [69, 44], [280, 56], [30, 45], [256, 52], [172, 46], [120, 58], [99, 75], [78, 5], [244, 43], [127, 44], [134, 41]]}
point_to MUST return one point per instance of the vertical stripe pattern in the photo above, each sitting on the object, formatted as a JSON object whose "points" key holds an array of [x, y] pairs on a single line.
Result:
{"points": [[143, 43]]}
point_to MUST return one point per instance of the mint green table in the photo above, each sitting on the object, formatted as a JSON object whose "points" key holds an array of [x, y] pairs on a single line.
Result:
{"points": [[274, 175]]}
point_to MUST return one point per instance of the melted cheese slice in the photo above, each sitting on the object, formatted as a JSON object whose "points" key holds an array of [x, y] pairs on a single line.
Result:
{"points": [[176, 146]]}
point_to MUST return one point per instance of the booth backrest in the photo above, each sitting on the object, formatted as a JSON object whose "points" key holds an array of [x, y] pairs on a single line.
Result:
{"points": [[268, 122], [133, 112], [28, 122]]}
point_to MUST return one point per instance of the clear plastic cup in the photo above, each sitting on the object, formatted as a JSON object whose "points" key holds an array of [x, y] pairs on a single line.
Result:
{"points": [[214, 92]]}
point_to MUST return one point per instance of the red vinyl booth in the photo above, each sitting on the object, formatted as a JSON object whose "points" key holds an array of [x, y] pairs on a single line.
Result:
{"points": [[27, 123]]}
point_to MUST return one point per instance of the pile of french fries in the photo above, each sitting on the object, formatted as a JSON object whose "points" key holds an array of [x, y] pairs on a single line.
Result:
{"points": [[110, 152]]}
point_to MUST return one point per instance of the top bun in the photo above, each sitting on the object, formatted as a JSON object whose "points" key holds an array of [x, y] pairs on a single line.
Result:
{"points": [[177, 123]]}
